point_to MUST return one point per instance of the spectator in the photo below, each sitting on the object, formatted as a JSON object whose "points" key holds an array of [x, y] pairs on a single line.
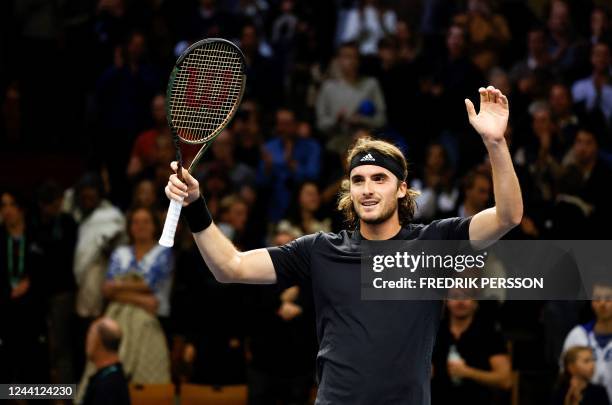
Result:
{"points": [[367, 23], [600, 26], [488, 33], [561, 44], [477, 191], [595, 174], [531, 74], [575, 387], [470, 358], [597, 335], [23, 350], [233, 216], [124, 94], [305, 216], [282, 343], [144, 151], [100, 228], [439, 196], [596, 91], [224, 154], [145, 194], [349, 100], [141, 273], [55, 234], [287, 160], [109, 385], [564, 117]]}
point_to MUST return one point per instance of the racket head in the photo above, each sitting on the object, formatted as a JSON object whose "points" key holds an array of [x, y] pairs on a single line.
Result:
{"points": [[205, 89]]}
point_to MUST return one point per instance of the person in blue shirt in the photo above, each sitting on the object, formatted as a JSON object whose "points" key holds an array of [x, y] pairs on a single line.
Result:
{"points": [[287, 160]]}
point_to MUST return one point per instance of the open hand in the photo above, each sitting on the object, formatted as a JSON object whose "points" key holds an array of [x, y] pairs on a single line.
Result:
{"points": [[492, 119]]}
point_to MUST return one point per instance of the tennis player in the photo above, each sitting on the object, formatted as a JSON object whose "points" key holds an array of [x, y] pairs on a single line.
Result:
{"points": [[370, 352]]}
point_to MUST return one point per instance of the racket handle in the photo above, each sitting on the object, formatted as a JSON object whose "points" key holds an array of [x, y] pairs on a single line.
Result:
{"points": [[172, 218]]}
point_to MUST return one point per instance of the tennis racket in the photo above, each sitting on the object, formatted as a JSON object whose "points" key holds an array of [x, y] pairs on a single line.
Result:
{"points": [[204, 91]]}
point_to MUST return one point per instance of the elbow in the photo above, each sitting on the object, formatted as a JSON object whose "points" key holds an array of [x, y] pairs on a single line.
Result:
{"points": [[506, 383]]}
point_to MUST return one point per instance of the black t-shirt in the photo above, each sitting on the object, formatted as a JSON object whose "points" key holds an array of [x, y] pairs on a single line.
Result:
{"points": [[107, 387], [476, 345], [370, 352]]}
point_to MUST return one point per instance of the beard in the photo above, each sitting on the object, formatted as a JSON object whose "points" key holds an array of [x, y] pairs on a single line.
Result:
{"points": [[387, 212]]}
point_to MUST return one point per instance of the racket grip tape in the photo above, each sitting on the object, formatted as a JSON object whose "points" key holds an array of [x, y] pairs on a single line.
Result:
{"points": [[172, 218]]}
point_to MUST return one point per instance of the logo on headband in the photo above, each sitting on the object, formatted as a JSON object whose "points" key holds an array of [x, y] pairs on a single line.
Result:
{"points": [[368, 158]]}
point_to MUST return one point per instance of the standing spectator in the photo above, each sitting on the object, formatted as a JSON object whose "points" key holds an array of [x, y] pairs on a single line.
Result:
{"points": [[141, 273], [351, 99], [282, 343], [575, 387], [597, 335], [470, 358], [124, 94], [55, 234], [596, 91], [595, 175], [101, 226], [287, 160], [23, 350], [109, 385], [367, 23]]}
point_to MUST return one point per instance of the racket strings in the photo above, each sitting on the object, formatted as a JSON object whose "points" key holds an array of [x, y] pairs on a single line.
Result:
{"points": [[207, 88]]}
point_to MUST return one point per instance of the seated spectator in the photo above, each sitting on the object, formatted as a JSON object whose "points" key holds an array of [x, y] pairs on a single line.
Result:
{"points": [[575, 387], [469, 359], [477, 190], [488, 33], [597, 335], [109, 385], [233, 216], [224, 154], [439, 195], [287, 160], [144, 150], [596, 91], [145, 194], [349, 100], [564, 117], [305, 217], [366, 23], [531, 74], [561, 41]]}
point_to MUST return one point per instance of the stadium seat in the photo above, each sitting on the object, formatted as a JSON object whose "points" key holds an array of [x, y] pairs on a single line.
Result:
{"points": [[192, 394], [146, 394]]}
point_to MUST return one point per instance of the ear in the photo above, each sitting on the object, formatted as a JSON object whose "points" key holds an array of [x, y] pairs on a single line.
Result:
{"points": [[402, 190]]}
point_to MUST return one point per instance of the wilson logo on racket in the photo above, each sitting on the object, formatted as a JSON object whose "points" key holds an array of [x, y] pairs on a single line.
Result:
{"points": [[206, 98]]}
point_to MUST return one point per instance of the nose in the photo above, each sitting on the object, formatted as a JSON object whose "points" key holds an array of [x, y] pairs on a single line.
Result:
{"points": [[367, 187]]}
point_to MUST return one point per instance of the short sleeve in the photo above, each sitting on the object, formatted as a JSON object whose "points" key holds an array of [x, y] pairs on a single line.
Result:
{"points": [[496, 344], [455, 228], [292, 261]]}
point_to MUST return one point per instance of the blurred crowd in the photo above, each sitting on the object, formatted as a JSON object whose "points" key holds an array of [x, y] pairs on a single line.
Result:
{"points": [[85, 80]]}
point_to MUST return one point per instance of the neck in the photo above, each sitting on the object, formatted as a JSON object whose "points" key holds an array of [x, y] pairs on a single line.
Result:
{"points": [[16, 229], [603, 326], [350, 77], [143, 246], [586, 167], [106, 360], [384, 231], [460, 325]]}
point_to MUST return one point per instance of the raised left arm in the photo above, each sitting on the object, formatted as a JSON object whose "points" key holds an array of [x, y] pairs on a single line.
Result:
{"points": [[491, 121]]}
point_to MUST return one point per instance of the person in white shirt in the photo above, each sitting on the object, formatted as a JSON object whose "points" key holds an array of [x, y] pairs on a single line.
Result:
{"points": [[598, 336]]}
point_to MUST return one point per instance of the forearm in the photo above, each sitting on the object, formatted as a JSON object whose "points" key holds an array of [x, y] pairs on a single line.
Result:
{"points": [[496, 379], [228, 264], [506, 188], [113, 287], [146, 301]]}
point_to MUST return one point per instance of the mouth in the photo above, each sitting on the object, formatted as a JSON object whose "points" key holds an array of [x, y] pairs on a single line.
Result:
{"points": [[369, 203]]}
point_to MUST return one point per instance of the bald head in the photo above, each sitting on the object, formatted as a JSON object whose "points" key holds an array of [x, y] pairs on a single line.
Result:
{"points": [[109, 334]]}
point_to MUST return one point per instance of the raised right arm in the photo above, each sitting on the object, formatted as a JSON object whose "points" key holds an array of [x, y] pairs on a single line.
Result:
{"points": [[227, 264]]}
